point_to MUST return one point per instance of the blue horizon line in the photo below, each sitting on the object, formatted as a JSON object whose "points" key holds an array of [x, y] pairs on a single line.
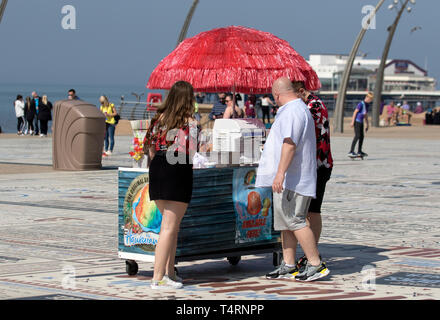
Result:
{"points": [[73, 84]]}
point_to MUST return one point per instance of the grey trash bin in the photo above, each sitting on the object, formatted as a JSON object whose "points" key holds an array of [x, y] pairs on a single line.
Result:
{"points": [[78, 135]]}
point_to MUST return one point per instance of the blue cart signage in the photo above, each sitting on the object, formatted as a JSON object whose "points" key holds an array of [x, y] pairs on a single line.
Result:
{"points": [[142, 219], [252, 206]]}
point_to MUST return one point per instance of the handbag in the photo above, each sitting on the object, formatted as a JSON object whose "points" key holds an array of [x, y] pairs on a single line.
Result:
{"points": [[117, 118]]}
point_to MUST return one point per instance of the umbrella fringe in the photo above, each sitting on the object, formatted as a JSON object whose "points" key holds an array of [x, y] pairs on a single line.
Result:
{"points": [[215, 60]]}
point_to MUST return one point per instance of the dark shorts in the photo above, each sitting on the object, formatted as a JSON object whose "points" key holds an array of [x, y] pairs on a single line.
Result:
{"points": [[323, 175], [170, 181]]}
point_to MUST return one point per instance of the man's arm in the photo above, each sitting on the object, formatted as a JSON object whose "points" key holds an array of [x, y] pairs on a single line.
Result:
{"points": [[216, 111], [212, 114], [287, 153]]}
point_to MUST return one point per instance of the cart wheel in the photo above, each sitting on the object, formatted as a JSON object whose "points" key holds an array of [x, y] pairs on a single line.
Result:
{"points": [[131, 267], [277, 258], [234, 260]]}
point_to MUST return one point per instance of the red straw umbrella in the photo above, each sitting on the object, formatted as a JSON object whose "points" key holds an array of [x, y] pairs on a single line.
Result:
{"points": [[234, 58]]}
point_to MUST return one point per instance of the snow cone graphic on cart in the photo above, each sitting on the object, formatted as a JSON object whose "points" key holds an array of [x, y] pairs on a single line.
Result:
{"points": [[145, 212], [142, 218]]}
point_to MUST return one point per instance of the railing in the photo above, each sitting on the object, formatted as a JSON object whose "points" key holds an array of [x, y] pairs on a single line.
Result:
{"points": [[134, 110], [350, 104]]}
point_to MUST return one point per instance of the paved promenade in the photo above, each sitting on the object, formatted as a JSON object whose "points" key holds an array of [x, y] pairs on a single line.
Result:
{"points": [[58, 231]]}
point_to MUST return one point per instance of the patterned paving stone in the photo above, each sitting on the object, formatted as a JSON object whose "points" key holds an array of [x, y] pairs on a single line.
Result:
{"points": [[58, 232]]}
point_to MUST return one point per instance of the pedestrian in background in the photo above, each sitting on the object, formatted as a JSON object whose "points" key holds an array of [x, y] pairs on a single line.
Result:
{"points": [[108, 109], [25, 129], [419, 108], [71, 94], [36, 100], [30, 115], [266, 103], [249, 106], [406, 111], [219, 107], [360, 115], [19, 113], [44, 115], [390, 111], [200, 97], [232, 109]]}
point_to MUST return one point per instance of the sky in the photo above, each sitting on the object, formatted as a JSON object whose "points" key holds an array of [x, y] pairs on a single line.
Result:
{"points": [[121, 42]]}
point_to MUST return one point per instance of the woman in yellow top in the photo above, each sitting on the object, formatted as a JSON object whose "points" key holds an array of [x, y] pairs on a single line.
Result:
{"points": [[110, 112]]}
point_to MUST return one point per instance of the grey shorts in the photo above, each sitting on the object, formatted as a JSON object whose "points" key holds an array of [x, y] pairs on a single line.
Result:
{"points": [[290, 210]]}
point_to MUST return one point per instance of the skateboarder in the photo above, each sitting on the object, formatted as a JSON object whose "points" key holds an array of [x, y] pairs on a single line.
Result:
{"points": [[360, 115]]}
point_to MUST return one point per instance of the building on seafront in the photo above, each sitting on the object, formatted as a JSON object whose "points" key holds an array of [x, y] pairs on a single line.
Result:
{"points": [[404, 80]]}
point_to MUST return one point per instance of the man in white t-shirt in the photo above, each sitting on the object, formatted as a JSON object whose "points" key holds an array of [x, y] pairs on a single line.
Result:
{"points": [[288, 165]]}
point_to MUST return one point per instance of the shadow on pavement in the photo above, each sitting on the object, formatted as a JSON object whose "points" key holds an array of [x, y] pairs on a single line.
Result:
{"points": [[340, 258]]}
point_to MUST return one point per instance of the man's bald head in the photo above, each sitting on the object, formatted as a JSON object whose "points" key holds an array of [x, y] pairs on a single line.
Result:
{"points": [[282, 86], [282, 91]]}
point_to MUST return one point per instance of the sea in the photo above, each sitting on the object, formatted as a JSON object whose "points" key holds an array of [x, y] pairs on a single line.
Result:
{"points": [[55, 92]]}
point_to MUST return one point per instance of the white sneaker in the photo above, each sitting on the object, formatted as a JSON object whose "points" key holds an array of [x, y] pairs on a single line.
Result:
{"points": [[165, 283], [109, 153], [175, 278], [41, 135]]}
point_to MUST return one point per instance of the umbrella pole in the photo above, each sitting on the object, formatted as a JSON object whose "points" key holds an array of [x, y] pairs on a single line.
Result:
{"points": [[234, 113]]}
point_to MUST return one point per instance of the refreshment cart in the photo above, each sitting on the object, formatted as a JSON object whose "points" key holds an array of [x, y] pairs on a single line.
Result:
{"points": [[228, 217]]}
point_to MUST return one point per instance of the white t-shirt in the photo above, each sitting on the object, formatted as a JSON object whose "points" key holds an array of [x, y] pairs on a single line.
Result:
{"points": [[293, 120], [19, 108], [265, 102]]}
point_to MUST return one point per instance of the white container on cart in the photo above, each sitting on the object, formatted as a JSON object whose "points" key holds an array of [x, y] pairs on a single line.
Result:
{"points": [[239, 135]]}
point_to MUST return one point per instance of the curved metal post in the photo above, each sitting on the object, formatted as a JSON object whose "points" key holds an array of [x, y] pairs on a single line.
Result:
{"points": [[338, 122], [185, 26], [3, 8], [379, 76]]}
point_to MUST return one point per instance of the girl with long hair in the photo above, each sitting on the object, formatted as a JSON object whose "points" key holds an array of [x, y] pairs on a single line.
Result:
{"points": [[30, 114], [170, 183], [44, 115]]}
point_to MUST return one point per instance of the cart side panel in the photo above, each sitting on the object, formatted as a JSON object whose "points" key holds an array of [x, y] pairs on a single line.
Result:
{"points": [[212, 223], [209, 222], [138, 218]]}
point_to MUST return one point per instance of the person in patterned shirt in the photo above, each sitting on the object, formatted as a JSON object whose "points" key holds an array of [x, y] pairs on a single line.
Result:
{"points": [[324, 159]]}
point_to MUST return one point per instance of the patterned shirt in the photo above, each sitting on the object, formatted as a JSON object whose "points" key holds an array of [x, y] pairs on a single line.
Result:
{"points": [[322, 129], [183, 140]]}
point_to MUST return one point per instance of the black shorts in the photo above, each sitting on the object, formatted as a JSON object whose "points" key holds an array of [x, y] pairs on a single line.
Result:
{"points": [[323, 175], [170, 181]]}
